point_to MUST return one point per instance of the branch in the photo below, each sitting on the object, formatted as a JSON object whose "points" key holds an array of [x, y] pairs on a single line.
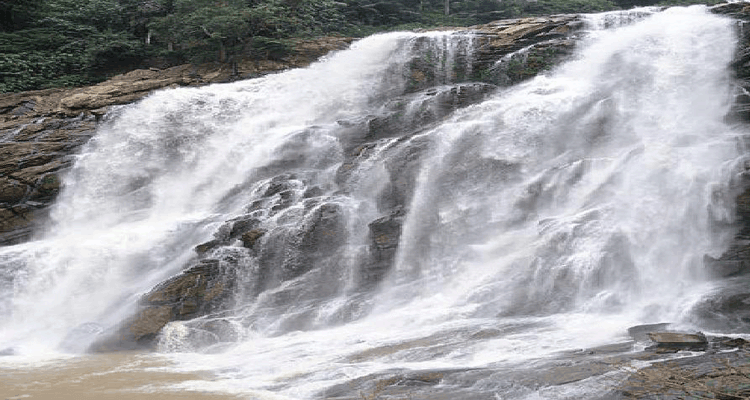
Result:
{"points": [[207, 32], [211, 35]]}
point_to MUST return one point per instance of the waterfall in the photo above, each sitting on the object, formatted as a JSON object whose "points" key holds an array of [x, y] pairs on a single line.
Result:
{"points": [[363, 221]]}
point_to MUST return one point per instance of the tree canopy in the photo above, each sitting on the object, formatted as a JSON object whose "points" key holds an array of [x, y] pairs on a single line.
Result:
{"points": [[74, 42]]}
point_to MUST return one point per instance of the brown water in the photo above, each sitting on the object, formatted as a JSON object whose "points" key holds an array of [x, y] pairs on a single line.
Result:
{"points": [[116, 376]]}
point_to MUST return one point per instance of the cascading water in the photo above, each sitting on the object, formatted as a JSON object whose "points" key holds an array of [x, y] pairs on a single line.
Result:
{"points": [[549, 216]]}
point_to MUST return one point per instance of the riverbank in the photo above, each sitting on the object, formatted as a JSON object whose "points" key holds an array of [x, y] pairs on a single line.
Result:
{"points": [[115, 376]]}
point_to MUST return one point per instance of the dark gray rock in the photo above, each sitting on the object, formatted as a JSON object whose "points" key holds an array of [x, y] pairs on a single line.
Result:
{"points": [[385, 234], [726, 310]]}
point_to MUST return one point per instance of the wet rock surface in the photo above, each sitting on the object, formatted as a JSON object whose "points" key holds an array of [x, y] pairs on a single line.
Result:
{"points": [[35, 150], [675, 341], [616, 371], [705, 367], [199, 290], [708, 376]]}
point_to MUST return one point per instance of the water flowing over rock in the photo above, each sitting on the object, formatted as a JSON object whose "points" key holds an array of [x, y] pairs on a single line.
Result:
{"points": [[439, 212]]}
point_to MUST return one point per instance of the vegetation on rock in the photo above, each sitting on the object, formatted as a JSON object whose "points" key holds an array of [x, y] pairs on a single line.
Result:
{"points": [[77, 42]]}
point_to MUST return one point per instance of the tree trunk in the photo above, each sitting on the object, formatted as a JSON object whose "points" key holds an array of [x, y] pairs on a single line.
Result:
{"points": [[222, 52], [447, 7]]}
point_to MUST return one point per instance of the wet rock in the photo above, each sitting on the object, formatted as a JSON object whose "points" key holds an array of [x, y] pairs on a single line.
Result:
{"points": [[201, 289], [640, 333], [242, 225], [737, 10], [32, 160], [403, 167], [412, 113], [204, 248], [678, 341], [18, 222], [197, 287], [546, 41], [725, 310], [222, 330], [741, 63], [709, 375], [385, 234], [138, 331], [325, 230], [249, 238], [11, 191], [292, 251], [728, 343], [149, 321]]}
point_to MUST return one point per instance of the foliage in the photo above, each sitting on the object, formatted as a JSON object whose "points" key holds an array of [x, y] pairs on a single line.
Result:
{"points": [[669, 3], [74, 42], [540, 7], [68, 43]]}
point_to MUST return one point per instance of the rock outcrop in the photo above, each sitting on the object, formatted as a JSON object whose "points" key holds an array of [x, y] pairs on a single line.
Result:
{"points": [[198, 290]]}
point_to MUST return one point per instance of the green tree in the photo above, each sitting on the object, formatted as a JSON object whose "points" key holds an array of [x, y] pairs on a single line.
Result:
{"points": [[17, 14], [201, 24], [66, 42]]}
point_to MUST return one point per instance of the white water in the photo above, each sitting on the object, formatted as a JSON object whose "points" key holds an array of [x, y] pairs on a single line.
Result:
{"points": [[615, 182]]}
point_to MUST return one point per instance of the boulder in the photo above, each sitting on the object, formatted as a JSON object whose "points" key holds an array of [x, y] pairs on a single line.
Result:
{"points": [[675, 341], [199, 290], [640, 333], [249, 238], [384, 237]]}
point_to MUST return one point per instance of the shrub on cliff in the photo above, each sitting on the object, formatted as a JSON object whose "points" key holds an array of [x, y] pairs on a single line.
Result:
{"points": [[75, 42], [63, 43]]}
